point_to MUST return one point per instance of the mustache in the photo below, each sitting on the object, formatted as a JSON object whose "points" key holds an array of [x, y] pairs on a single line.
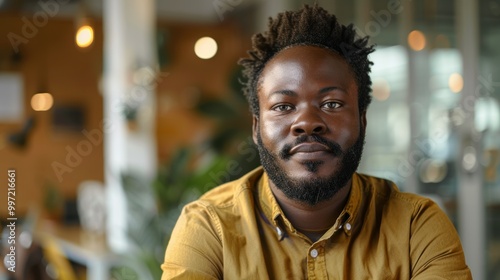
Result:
{"points": [[334, 147]]}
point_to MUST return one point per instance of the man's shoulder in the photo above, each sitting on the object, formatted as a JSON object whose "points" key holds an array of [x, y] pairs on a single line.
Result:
{"points": [[228, 193], [386, 189], [375, 185]]}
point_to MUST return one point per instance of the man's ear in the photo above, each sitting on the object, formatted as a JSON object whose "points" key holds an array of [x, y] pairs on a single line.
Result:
{"points": [[362, 118], [255, 128]]}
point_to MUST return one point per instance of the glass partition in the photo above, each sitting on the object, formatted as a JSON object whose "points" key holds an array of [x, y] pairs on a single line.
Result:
{"points": [[415, 134]]}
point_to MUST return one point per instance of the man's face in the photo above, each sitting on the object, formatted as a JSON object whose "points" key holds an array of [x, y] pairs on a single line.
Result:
{"points": [[309, 132]]}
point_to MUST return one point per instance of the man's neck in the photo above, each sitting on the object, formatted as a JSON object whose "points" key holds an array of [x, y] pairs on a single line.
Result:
{"points": [[312, 221]]}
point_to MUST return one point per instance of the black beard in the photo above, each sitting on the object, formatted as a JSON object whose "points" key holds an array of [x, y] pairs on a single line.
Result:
{"points": [[311, 191]]}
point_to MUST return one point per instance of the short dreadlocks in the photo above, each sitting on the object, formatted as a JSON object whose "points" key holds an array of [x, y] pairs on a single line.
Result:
{"points": [[310, 26]]}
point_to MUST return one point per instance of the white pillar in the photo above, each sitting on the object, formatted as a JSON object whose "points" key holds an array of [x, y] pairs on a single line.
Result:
{"points": [[471, 212], [406, 19], [129, 45]]}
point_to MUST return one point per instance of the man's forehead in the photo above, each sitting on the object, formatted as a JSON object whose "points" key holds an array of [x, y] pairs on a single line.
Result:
{"points": [[308, 56], [306, 69], [312, 62]]}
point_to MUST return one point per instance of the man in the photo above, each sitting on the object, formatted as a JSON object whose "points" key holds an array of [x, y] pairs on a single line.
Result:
{"points": [[306, 213]]}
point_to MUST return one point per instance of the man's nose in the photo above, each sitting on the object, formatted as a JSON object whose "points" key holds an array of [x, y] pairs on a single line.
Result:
{"points": [[308, 122]]}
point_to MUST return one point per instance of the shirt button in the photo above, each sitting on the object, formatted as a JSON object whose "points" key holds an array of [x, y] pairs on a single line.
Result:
{"points": [[348, 226], [314, 253]]}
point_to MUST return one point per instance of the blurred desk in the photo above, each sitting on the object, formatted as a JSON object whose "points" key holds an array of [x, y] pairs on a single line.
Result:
{"points": [[81, 247]]}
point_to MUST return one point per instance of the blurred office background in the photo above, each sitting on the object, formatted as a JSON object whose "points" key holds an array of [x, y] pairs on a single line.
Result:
{"points": [[114, 114]]}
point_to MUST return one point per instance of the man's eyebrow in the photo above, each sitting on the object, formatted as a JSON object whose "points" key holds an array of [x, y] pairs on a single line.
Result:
{"points": [[286, 92], [328, 89]]}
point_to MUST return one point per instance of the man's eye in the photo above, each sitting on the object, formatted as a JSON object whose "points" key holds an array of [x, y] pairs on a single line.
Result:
{"points": [[331, 105], [283, 108]]}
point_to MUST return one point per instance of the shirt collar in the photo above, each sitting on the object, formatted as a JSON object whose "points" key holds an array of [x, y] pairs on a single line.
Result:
{"points": [[270, 206], [350, 211], [346, 221]]}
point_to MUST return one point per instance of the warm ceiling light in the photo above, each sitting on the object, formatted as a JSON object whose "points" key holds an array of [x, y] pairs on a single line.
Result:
{"points": [[84, 36], [416, 40], [205, 48], [42, 101], [456, 82]]}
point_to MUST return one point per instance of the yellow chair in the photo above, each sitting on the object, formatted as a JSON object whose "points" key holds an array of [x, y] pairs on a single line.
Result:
{"points": [[58, 260]]}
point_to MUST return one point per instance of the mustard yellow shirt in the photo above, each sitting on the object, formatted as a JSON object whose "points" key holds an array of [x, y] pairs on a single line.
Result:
{"points": [[238, 231]]}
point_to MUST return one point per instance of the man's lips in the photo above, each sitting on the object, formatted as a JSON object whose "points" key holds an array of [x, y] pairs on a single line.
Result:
{"points": [[309, 148]]}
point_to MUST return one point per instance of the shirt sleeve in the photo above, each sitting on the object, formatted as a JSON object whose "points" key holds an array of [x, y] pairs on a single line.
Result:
{"points": [[194, 250], [435, 248]]}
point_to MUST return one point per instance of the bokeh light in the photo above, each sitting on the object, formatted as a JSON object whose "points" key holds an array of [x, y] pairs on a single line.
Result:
{"points": [[456, 82], [42, 101], [84, 36], [381, 90], [416, 40], [205, 48]]}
